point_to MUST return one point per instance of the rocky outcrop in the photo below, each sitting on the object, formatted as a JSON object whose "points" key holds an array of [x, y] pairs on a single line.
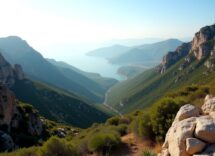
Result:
{"points": [[8, 74], [202, 46], [19, 74], [35, 125], [7, 106], [172, 57], [16, 118], [193, 131]]}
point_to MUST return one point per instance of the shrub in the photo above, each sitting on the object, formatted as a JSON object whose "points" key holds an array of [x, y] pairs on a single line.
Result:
{"points": [[147, 152], [145, 127], [103, 142], [58, 147], [122, 129], [162, 115], [33, 151], [133, 127], [113, 121]]}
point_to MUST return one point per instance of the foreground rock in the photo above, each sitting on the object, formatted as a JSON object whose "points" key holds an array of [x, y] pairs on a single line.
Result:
{"points": [[16, 118], [192, 132]]}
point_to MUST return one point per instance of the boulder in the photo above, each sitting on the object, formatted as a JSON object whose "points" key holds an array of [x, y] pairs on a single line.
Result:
{"points": [[194, 145], [192, 132], [6, 142], [210, 150], [207, 97], [205, 129], [176, 137], [187, 111], [209, 105]]}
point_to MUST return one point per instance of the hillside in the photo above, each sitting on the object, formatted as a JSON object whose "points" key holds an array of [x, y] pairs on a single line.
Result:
{"points": [[148, 54], [17, 51], [53, 103], [109, 52], [104, 82], [58, 105], [190, 63]]}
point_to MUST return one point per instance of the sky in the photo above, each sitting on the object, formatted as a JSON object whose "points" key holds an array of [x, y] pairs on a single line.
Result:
{"points": [[44, 23]]}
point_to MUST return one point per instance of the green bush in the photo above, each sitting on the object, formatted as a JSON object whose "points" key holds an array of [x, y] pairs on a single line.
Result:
{"points": [[32, 151], [122, 129], [145, 127], [103, 142], [113, 121], [58, 147], [163, 114], [147, 152]]}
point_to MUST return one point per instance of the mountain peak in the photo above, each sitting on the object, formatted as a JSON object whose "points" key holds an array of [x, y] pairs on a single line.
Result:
{"points": [[200, 46]]}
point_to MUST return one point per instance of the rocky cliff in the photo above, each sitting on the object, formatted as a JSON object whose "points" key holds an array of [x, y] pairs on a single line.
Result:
{"points": [[16, 118], [193, 131], [9, 74], [201, 47]]}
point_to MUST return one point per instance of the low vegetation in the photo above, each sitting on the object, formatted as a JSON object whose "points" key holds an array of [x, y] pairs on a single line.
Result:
{"points": [[150, 124]]}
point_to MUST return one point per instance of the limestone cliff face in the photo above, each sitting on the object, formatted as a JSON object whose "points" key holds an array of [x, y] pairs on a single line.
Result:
{"points": [[9, 74], [7, 106], [13, 116], [174, 56], [202, 46], [16, 118]]}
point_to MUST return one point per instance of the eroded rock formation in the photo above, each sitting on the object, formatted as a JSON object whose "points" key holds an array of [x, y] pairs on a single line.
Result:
{"points": [[202, 46]]}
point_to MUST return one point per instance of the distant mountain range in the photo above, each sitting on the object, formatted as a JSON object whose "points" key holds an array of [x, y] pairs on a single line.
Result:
{"points": [[17, 51], [145, 54], [109, 52]]}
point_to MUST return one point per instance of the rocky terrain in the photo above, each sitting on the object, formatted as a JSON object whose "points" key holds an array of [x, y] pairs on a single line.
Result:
{"points": [[193, 131], [16, 118]]}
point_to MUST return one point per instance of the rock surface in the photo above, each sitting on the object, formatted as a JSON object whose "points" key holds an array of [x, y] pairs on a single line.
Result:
{"points": [[205, 129], [6, 142], [187, 111], [192, 133], [7, 106], [174, 56], [199, 44], [8, 74], [16, 118], [194, 145], [209, 105]]}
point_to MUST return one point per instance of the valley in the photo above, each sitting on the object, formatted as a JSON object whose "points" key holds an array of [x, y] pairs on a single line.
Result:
{"points": [[107, 78]]}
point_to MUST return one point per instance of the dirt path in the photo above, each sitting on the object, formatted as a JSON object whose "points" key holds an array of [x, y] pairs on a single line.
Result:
{"points": [[130, 147]]}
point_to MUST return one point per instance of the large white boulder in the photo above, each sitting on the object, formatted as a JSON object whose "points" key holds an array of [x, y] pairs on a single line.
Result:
{"points": [[193, 131], [187, 111], [176, 137]]}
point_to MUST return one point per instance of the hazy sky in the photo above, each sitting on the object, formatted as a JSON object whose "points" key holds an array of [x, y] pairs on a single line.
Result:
{"points": [[46, 22]]}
